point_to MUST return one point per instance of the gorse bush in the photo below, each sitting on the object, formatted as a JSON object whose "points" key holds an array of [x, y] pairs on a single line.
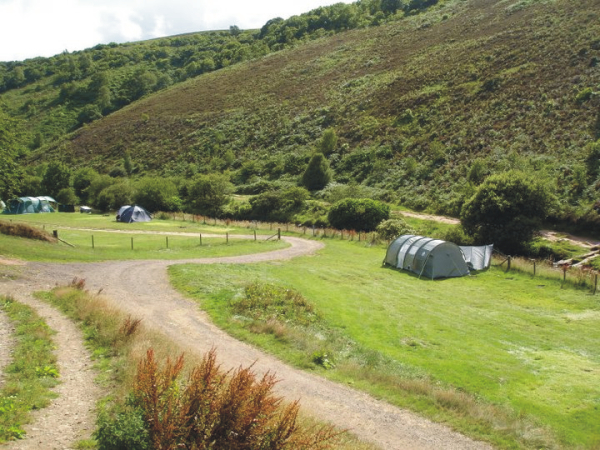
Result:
{"points": [[211, 410]]}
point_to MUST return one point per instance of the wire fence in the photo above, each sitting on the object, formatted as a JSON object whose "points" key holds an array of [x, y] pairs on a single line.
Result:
{"points": [[579, 276]]}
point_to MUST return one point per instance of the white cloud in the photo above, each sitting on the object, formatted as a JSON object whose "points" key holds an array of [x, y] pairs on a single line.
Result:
{"points": [[30, 28]]}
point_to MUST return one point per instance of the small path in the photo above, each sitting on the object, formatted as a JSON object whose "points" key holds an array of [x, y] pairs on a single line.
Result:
{"points": [[71, 416], [6, 343]]}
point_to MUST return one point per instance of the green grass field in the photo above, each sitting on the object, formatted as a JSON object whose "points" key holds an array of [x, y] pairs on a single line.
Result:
{"points": [[519, 343], [94, 238]]}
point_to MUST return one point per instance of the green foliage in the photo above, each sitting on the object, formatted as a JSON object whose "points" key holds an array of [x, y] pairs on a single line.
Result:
{"points": [[328, 142], [506, 210], [118, 194], [67, 196], [82, 179], [31, 373], [56, 177], [156, 194], [10, 173], [267, 302], [278, 206], [208, 194], [358, 214], [392, 228], [123, 428], [318, 174]]}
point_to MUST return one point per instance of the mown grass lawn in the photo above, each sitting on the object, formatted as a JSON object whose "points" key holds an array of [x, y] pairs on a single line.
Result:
{"points": [[95, 238], [505, 338]]}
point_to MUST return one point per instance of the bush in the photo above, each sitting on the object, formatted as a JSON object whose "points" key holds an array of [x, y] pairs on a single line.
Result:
{"points": [[358, 214], [278, 206], [208, 194], [156, 194], [211, 410], [506, 210], [318, 174], [124, 429], [392, 228]]}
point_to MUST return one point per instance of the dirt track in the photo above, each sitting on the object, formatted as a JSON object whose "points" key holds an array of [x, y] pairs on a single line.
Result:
{"points": [[142, 288]]}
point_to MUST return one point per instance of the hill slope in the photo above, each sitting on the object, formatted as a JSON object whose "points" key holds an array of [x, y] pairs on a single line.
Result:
{"points": [[424, 108]]}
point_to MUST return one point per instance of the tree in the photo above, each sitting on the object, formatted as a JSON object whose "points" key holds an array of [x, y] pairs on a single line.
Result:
{"points": [[157, 194], [208, 194], [82, 179], [10, 174], [318, 174], [328, 142], [66, 196], [507, 209], [56, 177], [278, 206], [359, 214]]}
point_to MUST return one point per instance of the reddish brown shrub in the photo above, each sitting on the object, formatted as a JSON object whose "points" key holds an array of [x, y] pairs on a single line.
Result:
{"points": [[215, 409]]}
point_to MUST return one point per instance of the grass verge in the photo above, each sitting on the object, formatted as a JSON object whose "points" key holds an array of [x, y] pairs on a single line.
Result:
{"points": [[503, 357], [103, 246], [32, 372]]}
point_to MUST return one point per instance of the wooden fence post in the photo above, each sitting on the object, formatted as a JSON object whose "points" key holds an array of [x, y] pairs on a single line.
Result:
{"points": [[167, 239], [254, 235], [508, 264], [132, 243], [227, 237], [200, 239], [278, 234]]}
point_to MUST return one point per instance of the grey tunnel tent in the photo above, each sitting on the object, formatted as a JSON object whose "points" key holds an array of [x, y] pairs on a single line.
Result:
{"points": [[428, 257]]}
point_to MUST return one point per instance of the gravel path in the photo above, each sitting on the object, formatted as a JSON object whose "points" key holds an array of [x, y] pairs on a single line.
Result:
{"points": [[142, 288], [6, 343]]}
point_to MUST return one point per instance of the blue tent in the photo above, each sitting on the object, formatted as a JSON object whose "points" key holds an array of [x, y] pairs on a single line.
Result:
{"points": [[133, 213]]}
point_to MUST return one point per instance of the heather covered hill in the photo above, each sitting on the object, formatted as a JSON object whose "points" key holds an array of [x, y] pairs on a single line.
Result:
{"points": [[424, 108]]}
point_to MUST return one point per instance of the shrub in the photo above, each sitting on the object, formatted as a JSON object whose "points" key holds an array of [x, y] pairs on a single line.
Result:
{"points": [[156, 194], [208, 194], [211, 410], [506, 210], [392, 228], [67, 196], [318, 174], [278, 206], [358, 214]]}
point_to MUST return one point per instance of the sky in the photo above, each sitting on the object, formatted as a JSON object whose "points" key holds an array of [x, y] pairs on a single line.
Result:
{"points": [[30, 28]]}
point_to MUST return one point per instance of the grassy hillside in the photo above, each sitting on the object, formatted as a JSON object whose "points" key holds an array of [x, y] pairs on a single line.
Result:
{"points": [[424, 107]]}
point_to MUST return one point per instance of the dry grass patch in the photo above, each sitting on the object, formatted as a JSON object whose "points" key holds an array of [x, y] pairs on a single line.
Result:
{"points": [[26, 231]]}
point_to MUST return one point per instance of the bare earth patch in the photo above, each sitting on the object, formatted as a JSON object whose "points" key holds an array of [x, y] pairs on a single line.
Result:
{"points": [[142, 289]]}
